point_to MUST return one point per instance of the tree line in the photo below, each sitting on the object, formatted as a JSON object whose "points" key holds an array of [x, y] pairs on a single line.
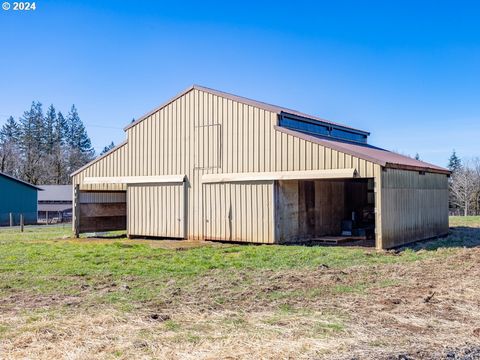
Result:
{"points": [[44, 148], [464, 185]]}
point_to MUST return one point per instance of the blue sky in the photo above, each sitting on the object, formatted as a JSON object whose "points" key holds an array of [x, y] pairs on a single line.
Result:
{"points": [[407, 71]]}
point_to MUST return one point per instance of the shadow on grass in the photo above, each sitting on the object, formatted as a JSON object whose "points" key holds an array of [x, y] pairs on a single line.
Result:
{"points": [[459, 236]]}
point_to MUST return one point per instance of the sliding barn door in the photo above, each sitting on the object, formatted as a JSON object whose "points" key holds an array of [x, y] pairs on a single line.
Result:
{"points": [[238, 212], [156, 210]]}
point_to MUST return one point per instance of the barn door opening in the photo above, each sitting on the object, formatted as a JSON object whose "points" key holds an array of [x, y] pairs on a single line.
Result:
{"points": [[98, 211], [156, 210], [334, 211]]}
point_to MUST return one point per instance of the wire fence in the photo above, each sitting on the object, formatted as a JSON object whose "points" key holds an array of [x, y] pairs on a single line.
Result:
{"points": [[41, 218]]}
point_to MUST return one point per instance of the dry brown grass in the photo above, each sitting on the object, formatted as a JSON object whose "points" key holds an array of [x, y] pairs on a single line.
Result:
{"points": [[364, 312]]}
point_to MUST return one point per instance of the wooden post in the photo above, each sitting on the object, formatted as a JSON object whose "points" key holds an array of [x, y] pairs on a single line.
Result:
{"points": [[21, 222], [11, 219], [76, 211], [46, 217]]}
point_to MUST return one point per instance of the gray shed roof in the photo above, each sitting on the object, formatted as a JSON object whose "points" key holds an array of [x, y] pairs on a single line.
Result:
{"points": [[55, 193]]}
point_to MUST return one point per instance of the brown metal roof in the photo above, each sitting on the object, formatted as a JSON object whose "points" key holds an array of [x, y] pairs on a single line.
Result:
{"points": [[243, 100], [370, 153]]}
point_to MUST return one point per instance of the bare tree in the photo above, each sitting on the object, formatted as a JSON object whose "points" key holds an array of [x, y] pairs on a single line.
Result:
{"points": [[475, 167], [463, 187]]}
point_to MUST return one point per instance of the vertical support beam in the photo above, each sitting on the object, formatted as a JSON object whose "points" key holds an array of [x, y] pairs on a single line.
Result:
{"points": [[184, 208], [76, 210], [22, 222], [378, 207], [273, 200], [11, 219], [127, 209]]}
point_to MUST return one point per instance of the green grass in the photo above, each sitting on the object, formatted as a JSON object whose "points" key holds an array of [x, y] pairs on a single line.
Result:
{"points": [[472, 221], [42, 260]]}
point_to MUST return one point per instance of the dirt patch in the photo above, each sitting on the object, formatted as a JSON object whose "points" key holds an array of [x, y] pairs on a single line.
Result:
{"points": [[428, 309]]}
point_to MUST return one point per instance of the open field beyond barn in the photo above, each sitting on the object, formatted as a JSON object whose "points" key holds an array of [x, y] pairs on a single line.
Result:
{"points": [[119, 298]]}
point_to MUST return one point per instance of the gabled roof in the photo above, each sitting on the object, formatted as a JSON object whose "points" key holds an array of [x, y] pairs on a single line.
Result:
{"points": [[20, 181], [259, 104], [370, 153]]}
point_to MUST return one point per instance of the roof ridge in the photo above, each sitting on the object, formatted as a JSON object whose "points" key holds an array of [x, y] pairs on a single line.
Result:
{"points": [[256, 103]]}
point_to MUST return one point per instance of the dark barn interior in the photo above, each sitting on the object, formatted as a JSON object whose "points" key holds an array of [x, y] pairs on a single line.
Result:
{"points": [[329, 211]]}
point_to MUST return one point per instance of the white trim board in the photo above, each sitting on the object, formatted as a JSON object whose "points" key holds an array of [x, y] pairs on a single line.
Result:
{"points": [[158, 179], [281, 175]]}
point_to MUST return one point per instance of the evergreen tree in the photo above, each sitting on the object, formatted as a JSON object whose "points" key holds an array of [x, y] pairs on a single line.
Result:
{"points": [[44, 149], [77, 135], [10, 131], [80, 145], [32, 143], [59, 158], [454, 163], [50, 122], [107, 148], [9, 154], [60, 129]]}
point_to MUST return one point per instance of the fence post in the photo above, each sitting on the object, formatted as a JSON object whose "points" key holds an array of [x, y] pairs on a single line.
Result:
{"points": [[11, 219], [21, 222], [76, 211]]}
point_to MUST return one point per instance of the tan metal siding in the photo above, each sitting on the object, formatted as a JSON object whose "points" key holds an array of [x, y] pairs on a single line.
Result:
{"points": [[239, 212], [158, 210], [201, 133], [413, 206], [114, 164], [292, 153]]}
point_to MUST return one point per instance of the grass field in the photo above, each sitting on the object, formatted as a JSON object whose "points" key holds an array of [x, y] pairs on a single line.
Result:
{"points": [[120, 298]]}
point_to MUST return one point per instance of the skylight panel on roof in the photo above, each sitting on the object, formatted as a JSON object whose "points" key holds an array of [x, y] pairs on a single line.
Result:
{"points": [[317, 128]]}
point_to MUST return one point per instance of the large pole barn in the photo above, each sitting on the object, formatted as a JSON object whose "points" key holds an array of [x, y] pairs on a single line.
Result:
{"points": [[208, 165]]}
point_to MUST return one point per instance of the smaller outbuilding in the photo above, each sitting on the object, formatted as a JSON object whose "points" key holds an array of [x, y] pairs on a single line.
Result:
{"points": [[55, 204], [17, 198]]}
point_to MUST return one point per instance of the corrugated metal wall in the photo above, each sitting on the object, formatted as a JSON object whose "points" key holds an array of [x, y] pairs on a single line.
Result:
{"points": [[114, 164], [201, 133], [414, 206], [158, 210], [17, 198], [239, 212]]}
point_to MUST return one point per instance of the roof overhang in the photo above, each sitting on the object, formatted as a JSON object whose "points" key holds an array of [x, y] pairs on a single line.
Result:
{"points": [[280, 175], [382, 157], [160, 179]]}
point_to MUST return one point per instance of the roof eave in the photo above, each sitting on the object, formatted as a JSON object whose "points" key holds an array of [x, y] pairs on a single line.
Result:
{"points": [[418, 168], [329, 145], [21, 181]]}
